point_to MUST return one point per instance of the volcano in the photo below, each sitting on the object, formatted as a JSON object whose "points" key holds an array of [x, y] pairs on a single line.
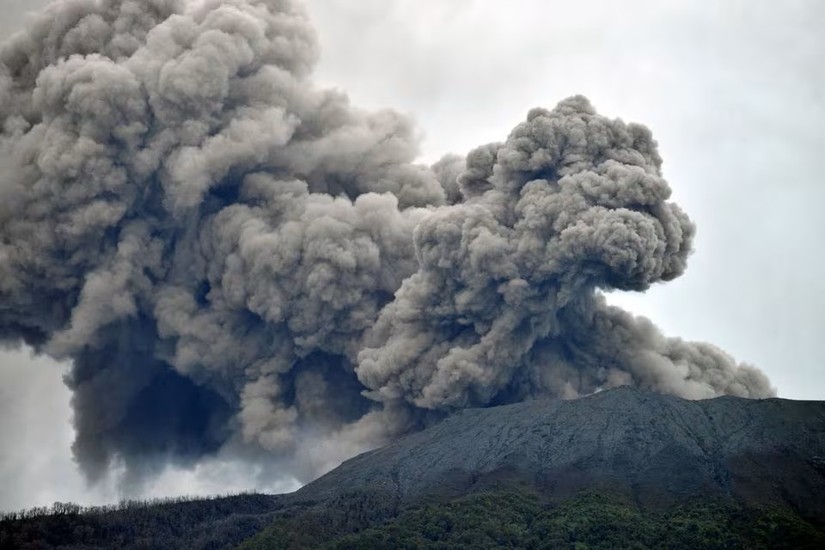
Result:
{"points": [[620, 468]]}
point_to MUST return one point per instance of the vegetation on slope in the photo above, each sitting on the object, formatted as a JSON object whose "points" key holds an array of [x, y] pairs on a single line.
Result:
{"points": [[220, 522], [516, 518], [521, 520]]}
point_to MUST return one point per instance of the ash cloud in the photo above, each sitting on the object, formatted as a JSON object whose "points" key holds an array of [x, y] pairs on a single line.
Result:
{"points": [[235, 259]]}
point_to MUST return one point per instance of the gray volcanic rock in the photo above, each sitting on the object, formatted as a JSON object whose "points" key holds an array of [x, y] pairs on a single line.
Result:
{"points": [[657, 448]]}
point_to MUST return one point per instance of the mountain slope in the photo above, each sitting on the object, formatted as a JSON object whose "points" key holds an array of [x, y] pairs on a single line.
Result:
{"points": [[658, 448], [595, 521], [622, 468]]}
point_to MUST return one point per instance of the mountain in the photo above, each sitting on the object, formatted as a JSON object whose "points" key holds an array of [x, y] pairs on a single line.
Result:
{"points": [[658, 448], [621, 468]]}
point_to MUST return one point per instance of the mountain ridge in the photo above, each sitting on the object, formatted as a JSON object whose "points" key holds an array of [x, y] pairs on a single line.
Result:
{"points": [[610, 470], [768, 450]]}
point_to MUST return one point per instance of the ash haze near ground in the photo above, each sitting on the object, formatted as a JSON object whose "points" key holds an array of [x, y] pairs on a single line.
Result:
{"points": [[249, 277]]}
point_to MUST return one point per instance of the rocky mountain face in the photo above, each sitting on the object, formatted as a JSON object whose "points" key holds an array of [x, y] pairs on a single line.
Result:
{"points": [[617, 469], [658, 449]]}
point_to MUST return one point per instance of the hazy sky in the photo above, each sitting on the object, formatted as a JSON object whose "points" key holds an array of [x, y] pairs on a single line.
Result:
{"points": [[734, 92]]}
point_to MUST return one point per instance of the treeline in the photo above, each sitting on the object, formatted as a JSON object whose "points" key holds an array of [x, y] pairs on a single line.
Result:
{"points": [[516, 518], [521, 520], [219, 522], [71, 508]]}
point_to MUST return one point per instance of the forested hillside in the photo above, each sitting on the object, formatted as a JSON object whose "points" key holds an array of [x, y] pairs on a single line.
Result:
{"points": [[175, 523], [519, 519]]}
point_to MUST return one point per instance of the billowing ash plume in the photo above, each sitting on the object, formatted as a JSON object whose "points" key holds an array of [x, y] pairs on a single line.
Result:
{"points": [[233, 257]]}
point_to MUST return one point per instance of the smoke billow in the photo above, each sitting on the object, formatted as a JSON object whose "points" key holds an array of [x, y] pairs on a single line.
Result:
{"points": [[232, 257]]}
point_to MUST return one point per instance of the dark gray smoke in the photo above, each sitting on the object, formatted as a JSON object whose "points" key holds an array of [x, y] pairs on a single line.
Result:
{"points": [[234, 258]]}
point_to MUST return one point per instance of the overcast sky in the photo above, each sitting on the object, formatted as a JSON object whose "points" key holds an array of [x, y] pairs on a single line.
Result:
{"points": [[734, 92]]}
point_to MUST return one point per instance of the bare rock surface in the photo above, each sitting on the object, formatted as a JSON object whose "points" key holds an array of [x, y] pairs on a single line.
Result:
{"points": [[658, 448]]}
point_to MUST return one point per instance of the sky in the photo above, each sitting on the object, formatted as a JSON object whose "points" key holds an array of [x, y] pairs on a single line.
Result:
{"points": [[733, 91]]}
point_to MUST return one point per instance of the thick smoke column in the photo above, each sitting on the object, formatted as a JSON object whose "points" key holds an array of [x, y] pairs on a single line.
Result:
{"points": [[234, 258], [503, 306]]}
